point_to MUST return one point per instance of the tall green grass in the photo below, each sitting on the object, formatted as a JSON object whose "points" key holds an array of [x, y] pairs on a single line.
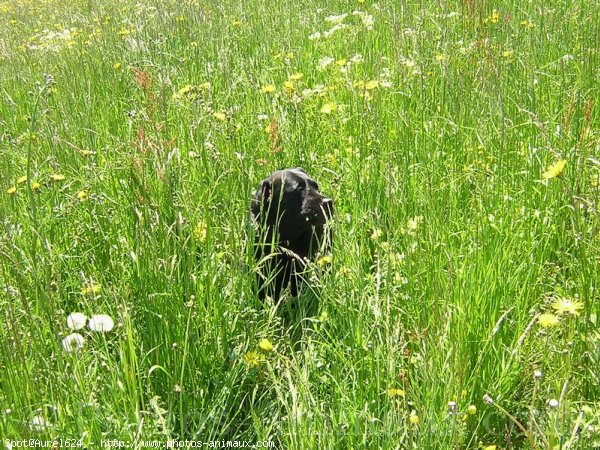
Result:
{"points": [[132, 138]]}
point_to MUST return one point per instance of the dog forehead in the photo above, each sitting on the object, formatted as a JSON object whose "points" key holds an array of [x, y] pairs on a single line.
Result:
{"points": [[290, 176]]}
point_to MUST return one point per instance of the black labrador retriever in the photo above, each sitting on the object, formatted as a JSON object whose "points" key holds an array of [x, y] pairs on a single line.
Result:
{"points": [[290, 215]]}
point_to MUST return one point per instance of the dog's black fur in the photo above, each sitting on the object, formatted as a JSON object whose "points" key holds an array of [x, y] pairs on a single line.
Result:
{"points": [[290, 215]]}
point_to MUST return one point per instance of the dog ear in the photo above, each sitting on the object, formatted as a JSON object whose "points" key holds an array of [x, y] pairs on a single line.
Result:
{"points": [[261, 197]]}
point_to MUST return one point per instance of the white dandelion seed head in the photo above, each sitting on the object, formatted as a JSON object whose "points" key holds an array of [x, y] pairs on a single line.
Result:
{"points": [[537, 374], [101, 323], [76, 321], [553, 403], [73, 342]]}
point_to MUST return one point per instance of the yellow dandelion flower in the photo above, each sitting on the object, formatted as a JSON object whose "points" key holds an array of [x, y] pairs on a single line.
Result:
{"points": [[219, 116], [472, 410], [395, 392], [370, 85], [413, 419], [92, 289], [554, 170], [495, 16], [324, 260], [568, 306], [22, 179], [200, 231], [441, 57], [57, 177], [377, 233], [344, 272], [252, 359], [490, 447], [11, 190], [117, 66], [548, 320], [288, 86], [35, 186], [269, 88], [328, 108], [82, 195], [296, 76], [527, 24], [265, 345], [341, 62], [358, 84]]}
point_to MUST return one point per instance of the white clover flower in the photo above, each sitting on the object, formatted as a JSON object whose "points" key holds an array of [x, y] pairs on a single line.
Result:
{"points": [[76, 321], [73, 342], [39, 424], [101, 323]]}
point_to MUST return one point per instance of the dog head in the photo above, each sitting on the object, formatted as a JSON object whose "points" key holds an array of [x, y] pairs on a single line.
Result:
{"points": [[290, 201]]}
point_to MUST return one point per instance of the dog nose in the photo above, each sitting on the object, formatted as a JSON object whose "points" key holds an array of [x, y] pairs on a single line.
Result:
{"points": [[327, 205]]}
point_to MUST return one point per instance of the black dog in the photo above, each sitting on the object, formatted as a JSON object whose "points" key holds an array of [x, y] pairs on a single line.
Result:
{"points": [[290, 217]]}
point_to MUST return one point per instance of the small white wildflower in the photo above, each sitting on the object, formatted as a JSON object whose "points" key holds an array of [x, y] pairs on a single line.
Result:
{"points": [[73, 342], [324, 62], [316, 35], [368, 21], [333, 29], [537, 375], [76, 321], [101, 323], [336, 19], [489, 400], [39, 424], [357, 59], [553, 403]]}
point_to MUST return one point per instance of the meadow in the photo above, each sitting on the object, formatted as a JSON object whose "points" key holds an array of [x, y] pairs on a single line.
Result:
{"points": [[460, 143]]}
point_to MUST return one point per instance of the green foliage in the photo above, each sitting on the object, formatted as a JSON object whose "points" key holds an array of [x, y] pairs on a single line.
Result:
{"points": [[459, 141]]}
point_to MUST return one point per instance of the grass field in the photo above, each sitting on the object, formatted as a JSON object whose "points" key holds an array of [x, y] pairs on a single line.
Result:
{"points": [[460, 143]]}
